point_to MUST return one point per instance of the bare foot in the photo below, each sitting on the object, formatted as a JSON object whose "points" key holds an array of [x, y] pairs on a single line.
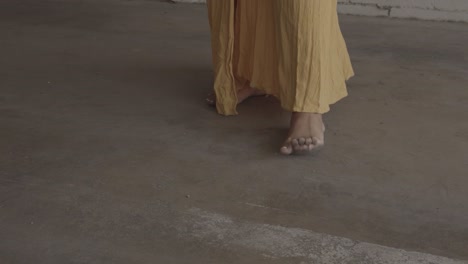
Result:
{"points": [[306, 134], [244, 91]]}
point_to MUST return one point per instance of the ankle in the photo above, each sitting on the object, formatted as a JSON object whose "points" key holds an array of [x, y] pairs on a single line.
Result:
{"points": [[295, 116]]}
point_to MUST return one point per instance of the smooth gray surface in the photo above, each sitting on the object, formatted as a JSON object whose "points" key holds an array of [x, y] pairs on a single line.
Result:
{"points": [[106, 145]]}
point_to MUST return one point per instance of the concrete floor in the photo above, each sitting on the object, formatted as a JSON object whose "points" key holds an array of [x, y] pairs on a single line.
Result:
{"points": [[109, 155]]}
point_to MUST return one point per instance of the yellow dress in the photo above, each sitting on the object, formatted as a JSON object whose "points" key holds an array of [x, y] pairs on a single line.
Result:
{"points": [[292, 49]]}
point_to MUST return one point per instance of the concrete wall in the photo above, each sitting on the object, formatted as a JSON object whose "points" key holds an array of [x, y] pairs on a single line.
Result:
{"points": [[441, 10], [445, 10]]}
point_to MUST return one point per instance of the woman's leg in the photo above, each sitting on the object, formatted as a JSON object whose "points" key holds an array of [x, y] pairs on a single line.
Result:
{"points": [[313, 68], [244, 20]]}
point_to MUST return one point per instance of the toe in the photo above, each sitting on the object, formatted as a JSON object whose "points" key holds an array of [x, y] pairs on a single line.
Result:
{"points": [[286, 150], [309, 141], [302, 141], [298, 149], [211, 99], [295, 142], [317, 142]]}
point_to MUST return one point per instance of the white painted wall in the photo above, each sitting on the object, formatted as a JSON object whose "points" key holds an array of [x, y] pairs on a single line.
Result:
{"points": [[442, 10]]}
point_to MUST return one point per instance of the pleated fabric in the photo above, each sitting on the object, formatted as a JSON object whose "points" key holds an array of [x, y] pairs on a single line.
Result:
{"points": [[292, 49]]}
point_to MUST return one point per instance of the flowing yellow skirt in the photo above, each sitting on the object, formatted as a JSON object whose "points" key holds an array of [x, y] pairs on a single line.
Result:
{"points": [[292, 49]]}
